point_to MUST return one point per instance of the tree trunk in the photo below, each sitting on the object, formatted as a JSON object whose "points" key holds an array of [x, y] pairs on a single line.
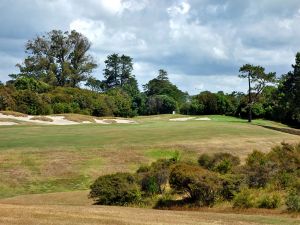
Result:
{"points": [[249, 102]]}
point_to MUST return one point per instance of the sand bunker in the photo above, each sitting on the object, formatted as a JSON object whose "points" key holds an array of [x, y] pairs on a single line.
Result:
{"points": [[190, 118], [7, 123], [182, 119], [58, 120], [203, 119]]}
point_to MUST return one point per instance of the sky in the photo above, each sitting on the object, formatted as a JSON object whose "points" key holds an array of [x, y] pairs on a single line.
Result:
{"points": [[201, 43]]}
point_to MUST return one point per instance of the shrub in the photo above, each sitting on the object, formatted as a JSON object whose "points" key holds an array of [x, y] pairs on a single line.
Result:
{"points": [[205, 161], [143, 169], [154, 178], [115, 189], [293, 201], [258, 169], [219, 162], [269, 201], [150, 184], [243, 199], [202, 186], [231, 184], [285, 157]]}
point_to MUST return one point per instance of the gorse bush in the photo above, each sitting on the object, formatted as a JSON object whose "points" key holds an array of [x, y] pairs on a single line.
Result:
{"points": [[115, 189], [264, 181], [202, 186], [258, 169], [269, 201], [293, 201], [243, 199], [155, 178], [219, 162], [230, 185]]}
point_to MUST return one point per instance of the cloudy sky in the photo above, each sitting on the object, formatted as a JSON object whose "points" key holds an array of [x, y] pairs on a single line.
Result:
{"points": [[201, 43]]}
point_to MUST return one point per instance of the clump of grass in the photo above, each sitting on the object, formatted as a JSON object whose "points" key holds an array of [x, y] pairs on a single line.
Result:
{"points": [[109, 121], [79, 118], [42, 118], [12, 113]]}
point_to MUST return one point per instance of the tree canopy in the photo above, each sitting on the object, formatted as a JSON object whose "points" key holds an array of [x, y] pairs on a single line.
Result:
{"points": [[58, 58]]}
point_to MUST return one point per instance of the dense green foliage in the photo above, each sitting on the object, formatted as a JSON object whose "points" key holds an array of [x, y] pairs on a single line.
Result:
{"points": [[60, 60], [116, 189], [202, 186], [266, 180]]}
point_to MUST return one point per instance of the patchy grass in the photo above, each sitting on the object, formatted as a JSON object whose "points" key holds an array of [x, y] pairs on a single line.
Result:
{"points": [[37, 159], [42, 118], [12, 113], [161, 153], [79, 118]]}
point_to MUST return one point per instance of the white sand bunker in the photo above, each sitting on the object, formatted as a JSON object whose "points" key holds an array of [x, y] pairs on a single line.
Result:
{"points": [[182, 119], [54, 120], [57, 120], [110, 121], [7, 123], [203, 119]]}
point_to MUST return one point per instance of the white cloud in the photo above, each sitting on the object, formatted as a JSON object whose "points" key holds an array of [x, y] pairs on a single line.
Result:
{"points": [[113, 6], [93, 30]]}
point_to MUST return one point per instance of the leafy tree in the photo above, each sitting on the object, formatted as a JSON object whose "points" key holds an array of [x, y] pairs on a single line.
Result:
{"points": [[29, 83], [256, 75], [118, 70], [289, 94], [161, 104], [162, 86], [122, 101], [58, 58], [209, 101], [95, 84]]}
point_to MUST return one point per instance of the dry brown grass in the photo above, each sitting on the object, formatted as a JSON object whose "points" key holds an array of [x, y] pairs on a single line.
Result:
{"points": [[12, 113], [79, 118], [103, 215], [42, 118]]}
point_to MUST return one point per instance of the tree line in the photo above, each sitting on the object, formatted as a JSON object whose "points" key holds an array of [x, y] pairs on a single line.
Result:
{"points": [[55, 77]]}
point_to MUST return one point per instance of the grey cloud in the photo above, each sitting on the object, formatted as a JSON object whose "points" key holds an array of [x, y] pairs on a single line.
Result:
{"points": [[200, 42]]}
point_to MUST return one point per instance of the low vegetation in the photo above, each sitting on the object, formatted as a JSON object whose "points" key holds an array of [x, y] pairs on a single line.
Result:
{"points": [[42, 118], [266, 180]]}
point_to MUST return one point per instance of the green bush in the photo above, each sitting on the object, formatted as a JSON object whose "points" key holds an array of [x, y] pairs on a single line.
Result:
{"points": [[115, 189], [219, 162], [258, 169], [155, 178], [231, 184], [202, 186], [269, 201], [150, 184], [243, 199], [293, 201]]}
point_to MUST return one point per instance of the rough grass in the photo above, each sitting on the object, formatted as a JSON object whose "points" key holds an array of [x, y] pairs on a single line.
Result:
{"points": [[79, 118], [12, 113], [66, 159], [42, 118], [82, 215]]}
